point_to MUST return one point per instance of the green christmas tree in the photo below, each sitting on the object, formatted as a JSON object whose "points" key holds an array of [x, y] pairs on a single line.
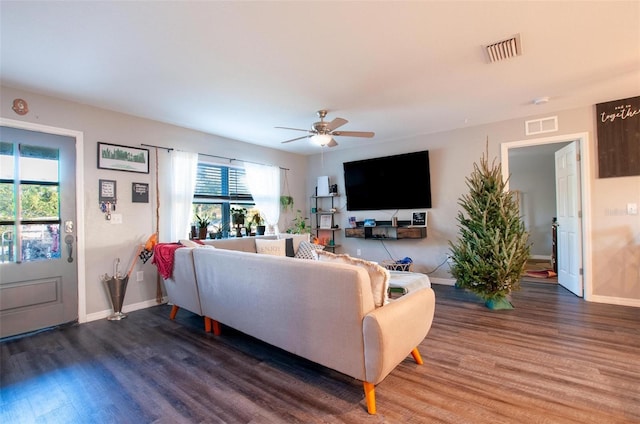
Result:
{"points": [[490, 254]]}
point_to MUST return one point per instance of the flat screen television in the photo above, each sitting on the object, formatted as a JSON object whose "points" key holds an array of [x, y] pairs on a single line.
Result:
{"points": [[390, 182]]}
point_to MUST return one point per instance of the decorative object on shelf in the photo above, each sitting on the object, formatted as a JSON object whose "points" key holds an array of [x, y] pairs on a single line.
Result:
{"points": [[323, 186], [123, 158], [139, 192], [326, 222], [352, 222], [490, 254], [369, 222], [237, 217], [203, 223], [20, 107], [419, 219], [107, 197]]}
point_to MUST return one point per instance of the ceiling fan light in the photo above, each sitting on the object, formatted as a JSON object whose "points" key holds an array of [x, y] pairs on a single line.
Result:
{"points": [[321, 139]]}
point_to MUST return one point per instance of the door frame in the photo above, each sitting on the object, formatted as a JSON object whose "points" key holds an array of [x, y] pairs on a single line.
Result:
{"points": [[80, 246], [585, 189]]}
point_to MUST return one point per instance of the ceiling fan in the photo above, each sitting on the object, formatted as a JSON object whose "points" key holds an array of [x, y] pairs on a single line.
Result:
{"points": [[322, 132]]}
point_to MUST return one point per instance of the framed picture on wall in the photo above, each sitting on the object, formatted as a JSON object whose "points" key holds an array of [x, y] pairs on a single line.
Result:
{"points": [[123, 158]]}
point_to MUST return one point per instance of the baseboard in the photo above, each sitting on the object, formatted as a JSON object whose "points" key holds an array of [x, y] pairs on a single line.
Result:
{"points": [[443, 281], [620, 301], [125, 308]]}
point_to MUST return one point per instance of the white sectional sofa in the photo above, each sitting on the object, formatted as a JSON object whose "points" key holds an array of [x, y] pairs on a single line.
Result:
{"points": [[322, 311]]}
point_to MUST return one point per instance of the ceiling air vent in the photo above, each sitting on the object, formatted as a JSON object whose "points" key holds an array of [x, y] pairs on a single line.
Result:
{"points": [[504, 49]]}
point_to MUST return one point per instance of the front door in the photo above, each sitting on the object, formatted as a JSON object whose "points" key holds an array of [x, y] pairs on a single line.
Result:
{"points": [[569, 235], [38, 272]]}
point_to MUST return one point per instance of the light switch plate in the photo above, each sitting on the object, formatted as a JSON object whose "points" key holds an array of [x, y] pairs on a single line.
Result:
{"points": [[632, 209], [116, 218]]}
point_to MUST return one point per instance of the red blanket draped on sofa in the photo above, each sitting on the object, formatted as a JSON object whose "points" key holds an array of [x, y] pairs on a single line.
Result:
{"points": [[163, 254]]}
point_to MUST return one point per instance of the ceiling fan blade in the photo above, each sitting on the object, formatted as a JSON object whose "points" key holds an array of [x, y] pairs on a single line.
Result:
{"points": [[294, 139], [332, 143], [367, 134], [295, 129], [338, 122]]}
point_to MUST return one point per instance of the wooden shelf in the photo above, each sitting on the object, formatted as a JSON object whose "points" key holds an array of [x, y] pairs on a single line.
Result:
{"points": [[386, 232]]}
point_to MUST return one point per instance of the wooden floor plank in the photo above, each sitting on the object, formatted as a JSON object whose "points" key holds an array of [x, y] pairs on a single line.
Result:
{"points": [[554, 359]]}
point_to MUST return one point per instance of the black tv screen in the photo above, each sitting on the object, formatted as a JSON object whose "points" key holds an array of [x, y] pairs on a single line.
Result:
{"points": [[390, 182]]}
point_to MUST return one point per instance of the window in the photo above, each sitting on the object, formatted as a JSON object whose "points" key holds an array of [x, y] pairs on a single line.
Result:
{"points": [[218, 189], [29, 202]]}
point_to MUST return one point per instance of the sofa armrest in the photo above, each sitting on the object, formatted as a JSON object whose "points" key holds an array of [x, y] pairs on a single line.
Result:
{"points": [[394, 330]]}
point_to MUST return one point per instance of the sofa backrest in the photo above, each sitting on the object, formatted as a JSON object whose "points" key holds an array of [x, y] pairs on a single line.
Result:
{"points": [[242, 244], [310, 308]]}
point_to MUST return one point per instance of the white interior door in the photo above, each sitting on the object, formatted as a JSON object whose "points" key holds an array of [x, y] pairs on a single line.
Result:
{"points": [[569, 236], [38, 267]]}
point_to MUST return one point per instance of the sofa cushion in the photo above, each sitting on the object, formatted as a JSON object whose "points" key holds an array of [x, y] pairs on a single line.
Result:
{"points": [[378, 275], [271, 247], [308, 250], [296, 238]]}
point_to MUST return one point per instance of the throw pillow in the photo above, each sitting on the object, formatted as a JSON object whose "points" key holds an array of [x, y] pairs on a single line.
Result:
{"points": [[189, 243], [271, 247], [379, 276], [296, 238], [308, 250]]}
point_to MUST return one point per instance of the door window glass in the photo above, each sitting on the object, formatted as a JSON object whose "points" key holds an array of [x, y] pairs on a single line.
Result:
{"points": [[35, 233]]}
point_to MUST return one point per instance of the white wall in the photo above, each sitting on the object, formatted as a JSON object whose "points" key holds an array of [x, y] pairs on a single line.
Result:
{"points": [[104, 242], [613, 262]]}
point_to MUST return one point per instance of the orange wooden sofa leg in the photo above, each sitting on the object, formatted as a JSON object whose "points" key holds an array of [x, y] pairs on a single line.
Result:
{"points": [[416, 356], [370, 396], [216, 327], [174, 312], [207, 325]]}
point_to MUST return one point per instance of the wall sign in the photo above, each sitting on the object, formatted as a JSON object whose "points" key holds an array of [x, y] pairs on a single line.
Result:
{"points": [[618, 125], [140, 193]]}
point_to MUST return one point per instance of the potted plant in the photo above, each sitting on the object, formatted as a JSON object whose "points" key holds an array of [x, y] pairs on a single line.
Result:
{"points": [[260, 227], [237, 218], [203, 223], [492, 249], [286, 202], [299, 224]]}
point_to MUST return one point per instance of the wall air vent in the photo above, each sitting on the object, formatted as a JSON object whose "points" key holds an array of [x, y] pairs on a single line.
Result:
{"points": [[541, 126], [504, 49]]}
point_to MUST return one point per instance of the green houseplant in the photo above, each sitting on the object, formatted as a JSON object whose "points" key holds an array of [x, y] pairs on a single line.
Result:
{"points": [[237, 218], [260, 227], [203, 223], [492, 248], [299, 224]]}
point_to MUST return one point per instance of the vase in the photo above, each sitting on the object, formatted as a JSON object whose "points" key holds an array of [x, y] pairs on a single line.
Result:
{"points": [[202, 233], [117, 288], [260, 229], [498, 303]]}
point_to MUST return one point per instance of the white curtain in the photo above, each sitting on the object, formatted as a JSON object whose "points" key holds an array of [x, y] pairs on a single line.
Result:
{"points": [[264, 183], [177, 176]]}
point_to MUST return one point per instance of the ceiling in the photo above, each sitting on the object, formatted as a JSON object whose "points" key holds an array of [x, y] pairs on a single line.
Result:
{"points": [[400, 69]]}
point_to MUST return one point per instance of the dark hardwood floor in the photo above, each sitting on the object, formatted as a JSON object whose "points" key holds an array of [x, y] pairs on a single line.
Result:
{"points": [[554, 359]]}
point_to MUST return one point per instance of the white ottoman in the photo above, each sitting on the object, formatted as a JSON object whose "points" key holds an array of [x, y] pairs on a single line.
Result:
{"points": [[403, 282]]}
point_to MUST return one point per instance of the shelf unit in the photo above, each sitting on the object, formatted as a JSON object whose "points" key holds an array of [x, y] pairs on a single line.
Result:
{"points": [[385, 231], [325, 226]]}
